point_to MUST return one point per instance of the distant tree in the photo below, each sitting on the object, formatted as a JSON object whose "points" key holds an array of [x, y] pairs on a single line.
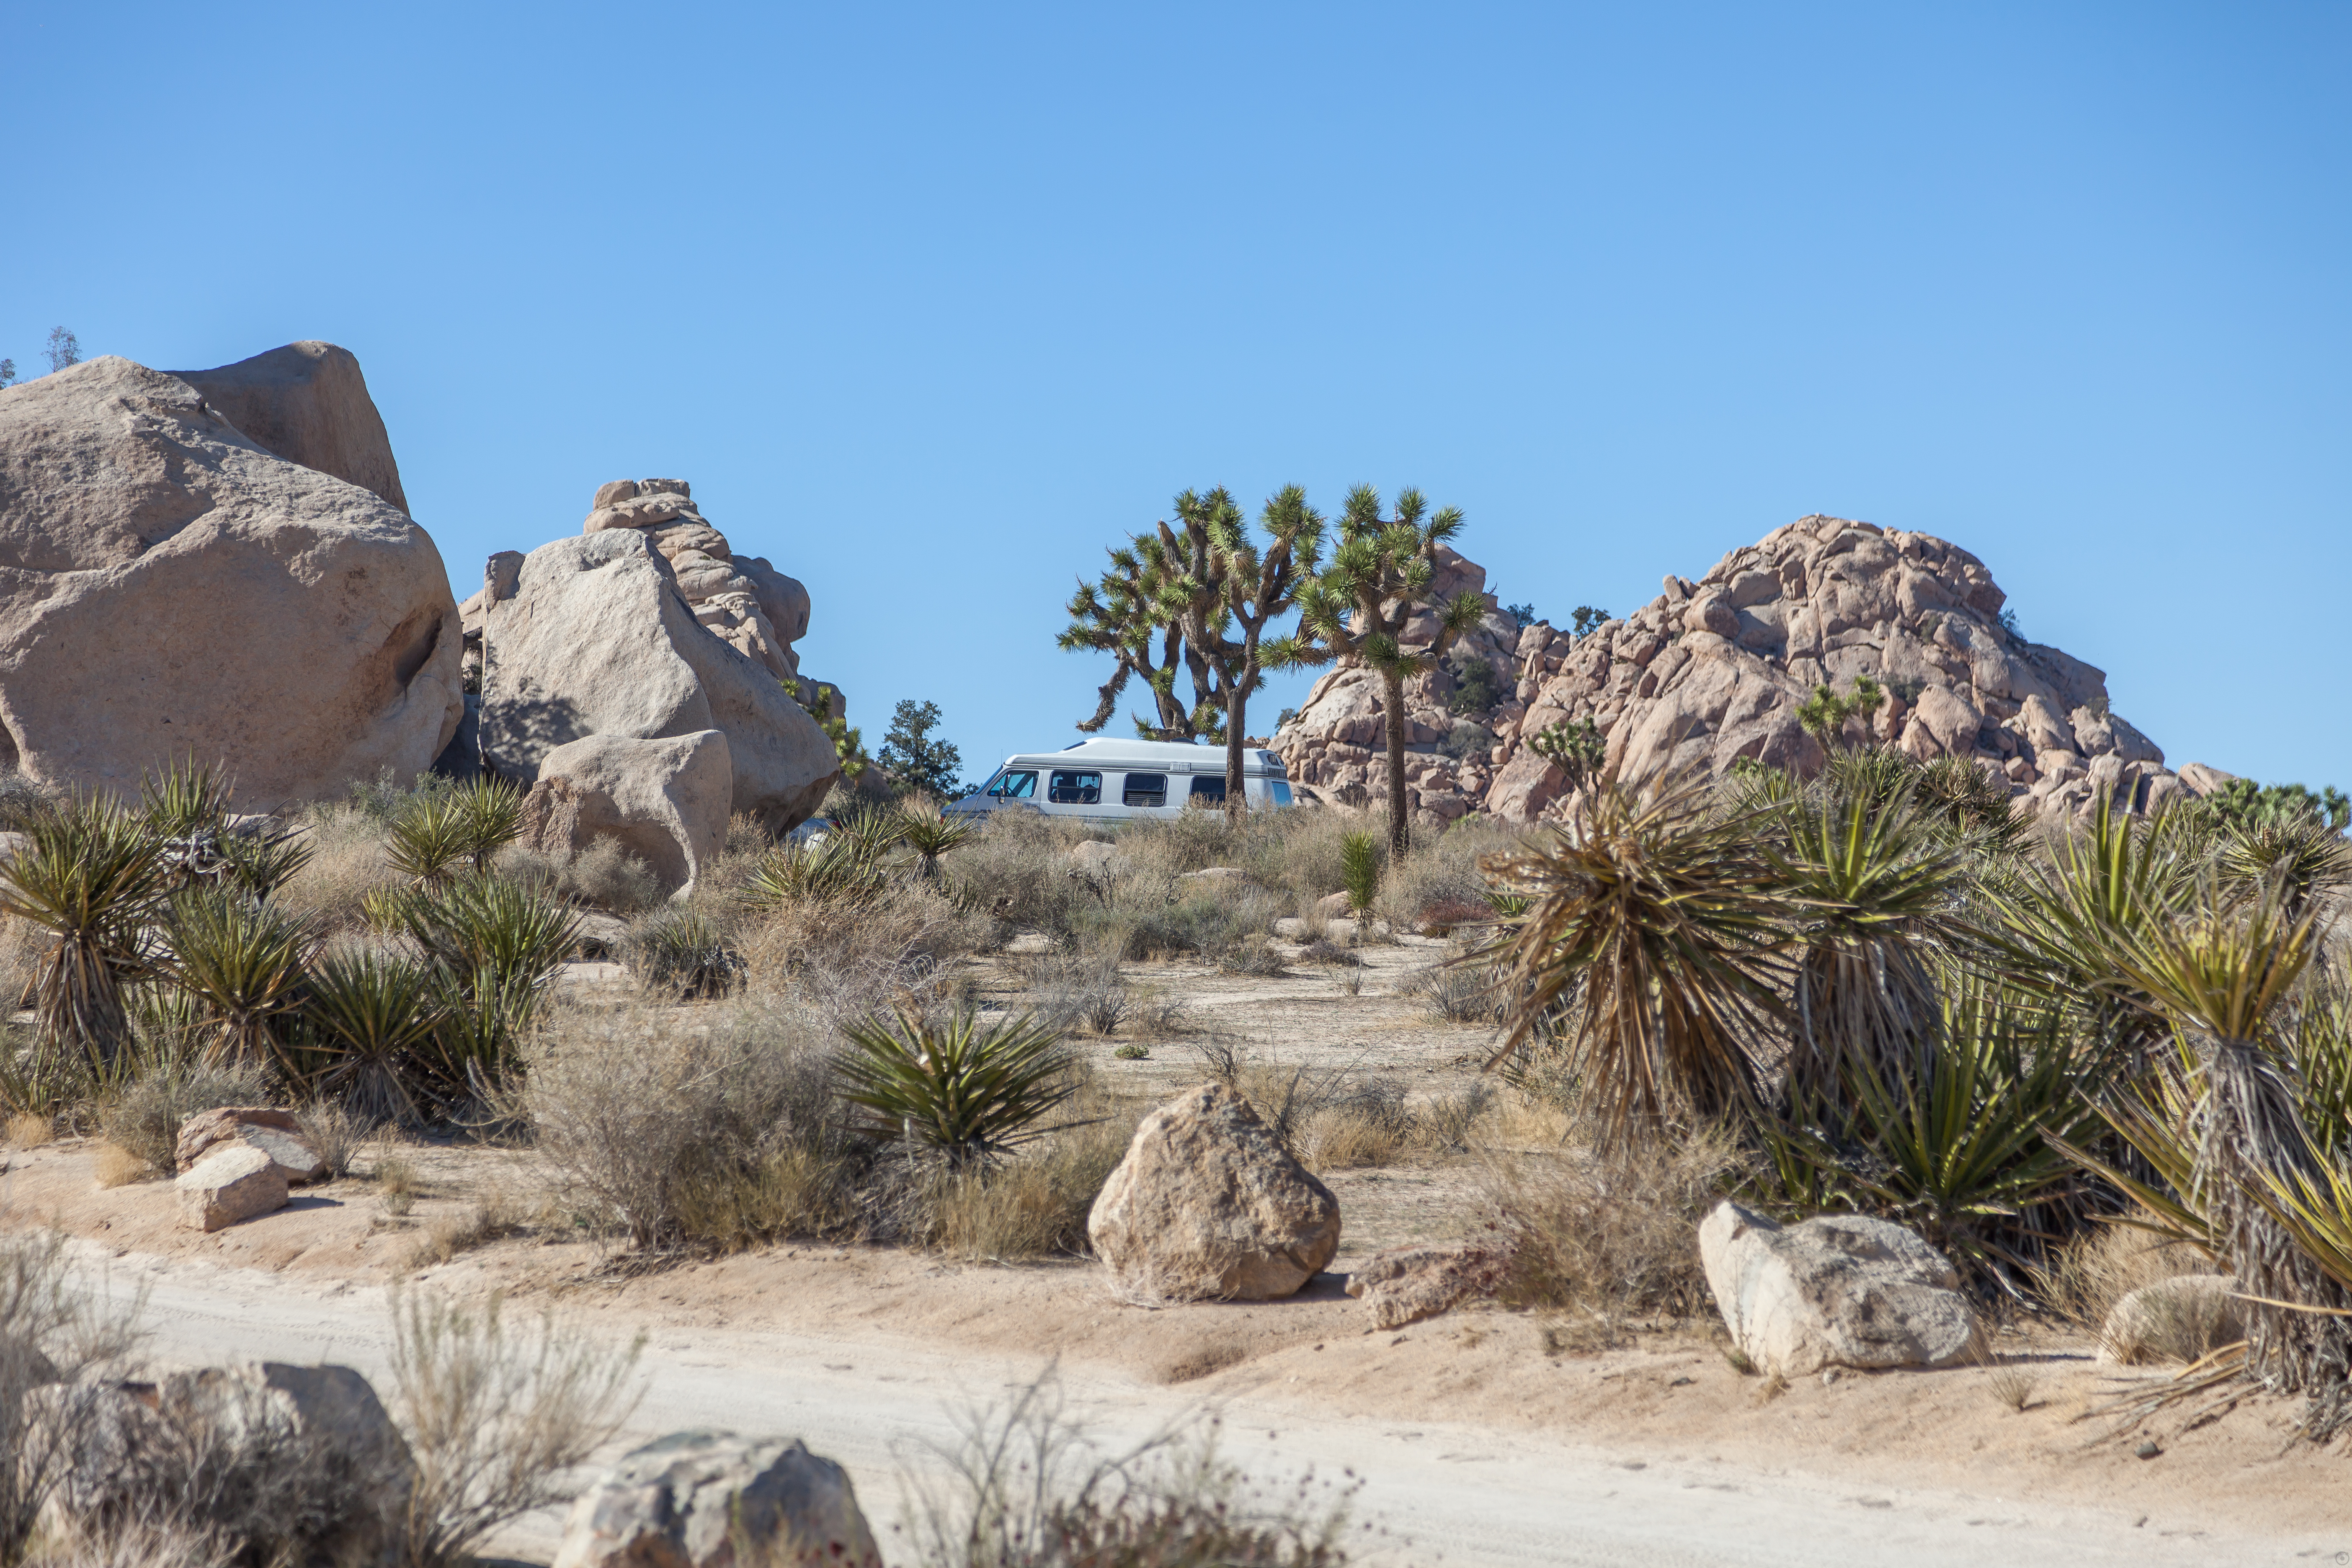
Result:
{"points": [[1576, 750], [7, 371], [1285, 717], [816, 699], [920, 761], [1224, 591], [64, 349], [1120, 615], [1379, 580], [1523, 614], [2244, 805], [1589, 620], [1478, 686], [2008, 619], [1824, 714]]}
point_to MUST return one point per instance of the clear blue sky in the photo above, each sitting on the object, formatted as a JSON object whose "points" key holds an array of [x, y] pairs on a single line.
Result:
{"points": [[931, 304]]}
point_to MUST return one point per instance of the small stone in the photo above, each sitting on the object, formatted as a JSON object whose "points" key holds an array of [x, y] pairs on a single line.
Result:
{"points": [[712, 1500], [2147, 1450], [1829, 1377], [235, 1182]]}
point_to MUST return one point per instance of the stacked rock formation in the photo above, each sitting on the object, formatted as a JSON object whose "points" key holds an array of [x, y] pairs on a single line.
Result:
{"points": [[1336, 743], [174, 585], [1714, 670], [642, 631]]}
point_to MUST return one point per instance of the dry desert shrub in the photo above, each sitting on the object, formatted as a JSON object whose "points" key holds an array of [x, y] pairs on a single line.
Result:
{"points": [[30, 1132], [144, 1119], [846, 958], [57, 1330], [336, 1133], [347, 864], [479, 1225], [22, 945], [1035, 1206], [1609, 1235], [1441, 870], [1353, 1136], [1456, 991], [604, 876], [155, 1541], [2105, 1263], [649, 1116]]}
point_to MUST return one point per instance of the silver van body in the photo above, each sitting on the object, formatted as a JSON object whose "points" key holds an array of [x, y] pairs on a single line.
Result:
{"points": [[1122, 781]]}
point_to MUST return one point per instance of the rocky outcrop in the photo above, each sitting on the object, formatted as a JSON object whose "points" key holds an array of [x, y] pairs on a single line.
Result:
{"points": [[1208, 1205], [275, 1133], [1836, 1290], [309, 404], [665, 801], [593, 637], [170, 588], [712, 1500], [1714, 670], [235, 1182]]}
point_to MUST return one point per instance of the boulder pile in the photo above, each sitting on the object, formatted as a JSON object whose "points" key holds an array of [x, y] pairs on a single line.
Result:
{"points": [[173, 584], [1714, 670], [645, 626]]}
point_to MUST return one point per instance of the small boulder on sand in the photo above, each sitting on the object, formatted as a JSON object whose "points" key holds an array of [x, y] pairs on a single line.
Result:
{"points": [[1208, 1204], [275, 1133], [1836, 1290], [1405, 1284], [712, 1500], [235, 1182]]}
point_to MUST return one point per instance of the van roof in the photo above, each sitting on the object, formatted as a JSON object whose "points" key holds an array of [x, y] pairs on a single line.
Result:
{"points": [[1165, 756]]}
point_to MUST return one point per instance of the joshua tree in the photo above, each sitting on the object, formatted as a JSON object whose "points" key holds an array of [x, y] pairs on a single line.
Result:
{"points": [[1378, 582], [1224, 585], [1120, 616]]}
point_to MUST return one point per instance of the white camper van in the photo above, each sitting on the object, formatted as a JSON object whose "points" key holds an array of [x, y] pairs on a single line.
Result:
{"points": [[1116, 781]]}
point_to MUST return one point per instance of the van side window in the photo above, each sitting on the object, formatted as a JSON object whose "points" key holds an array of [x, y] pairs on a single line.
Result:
{"points": [[1144, 789], [1014, 785], [1209, 790], [1075, 789], [1278, 791]]}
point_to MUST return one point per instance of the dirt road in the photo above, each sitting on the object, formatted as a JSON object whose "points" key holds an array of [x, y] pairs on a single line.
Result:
{"points": [[1445, 1493]]}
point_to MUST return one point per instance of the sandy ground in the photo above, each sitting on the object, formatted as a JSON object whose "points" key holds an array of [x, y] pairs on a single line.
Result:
{"points": [[1479, 1437]]}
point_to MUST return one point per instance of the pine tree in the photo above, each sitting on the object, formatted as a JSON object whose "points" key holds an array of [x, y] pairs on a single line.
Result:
{"points": [[1379, 580], [917, 760]]}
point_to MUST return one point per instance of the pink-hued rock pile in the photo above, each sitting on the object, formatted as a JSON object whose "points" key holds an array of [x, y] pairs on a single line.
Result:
{"points": [[1713, 670]]}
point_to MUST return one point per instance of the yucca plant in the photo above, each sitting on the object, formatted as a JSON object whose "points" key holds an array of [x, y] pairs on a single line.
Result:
{"points": [[1660, 920], [1360, 869], [431, 838], [88, 875], [490, 813], [369, 1016], [684, 953], [1873, 774], [837, 868], [2223, 973], [970, 1095], [1870, 895], [2295, 857], [473, 922], [1968, 802], [483, 1015], [185, 798], [261, 863], [243, 963], [930, 833]]}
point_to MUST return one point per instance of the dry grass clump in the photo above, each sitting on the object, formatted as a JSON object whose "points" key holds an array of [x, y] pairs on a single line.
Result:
{"points": [[847, 959], [1354, 1135], [1457, 993], [2106, 1263], [1035, 1206], [30, 1131], [479, 1224], [22, 945], [115, 1166], [1443, 871], [1608, 1235], [335, 1132], [1081, 991]]}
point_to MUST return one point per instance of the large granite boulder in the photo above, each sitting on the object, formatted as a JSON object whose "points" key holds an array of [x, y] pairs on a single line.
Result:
{"points": [[712, 1500], [594, 636], [1208, 1204], [169, 588], [309, 404], [665, 801], [276, 1132], [1836, 1290]]}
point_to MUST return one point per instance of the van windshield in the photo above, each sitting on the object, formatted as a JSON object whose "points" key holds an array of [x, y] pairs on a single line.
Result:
{"points": [[1012, 785]]}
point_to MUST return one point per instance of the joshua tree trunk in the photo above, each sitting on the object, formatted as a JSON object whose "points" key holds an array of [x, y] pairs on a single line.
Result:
{"points": [[1400, 819], [1237, 704]]}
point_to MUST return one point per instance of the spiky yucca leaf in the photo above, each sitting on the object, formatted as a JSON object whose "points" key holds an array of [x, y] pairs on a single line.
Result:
{"points": [[476, 923], [431, 840], [369, 1016], [1662, 920], [837, 867], [490, 815], [244, 962], [2294, 858], [682, 952], [968, 1094], [931, 832], [88, 875], [185, 798]]}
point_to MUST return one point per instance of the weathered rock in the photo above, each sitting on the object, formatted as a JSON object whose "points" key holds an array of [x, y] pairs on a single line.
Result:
{"points": [[663, 801], [275, 1133], [1099, 862], [169, 588], [705, 1500], [596, 641], [235, 1182], [1405, 1284], [309, 404], [2203, 781], [2180, 1319], [1837, 1291], [1333, 906], [1207, 1204]]}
